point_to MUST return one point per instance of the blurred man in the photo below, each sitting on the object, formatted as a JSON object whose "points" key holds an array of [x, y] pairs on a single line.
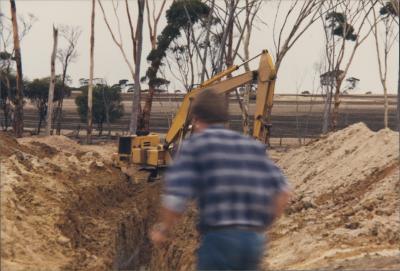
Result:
{"points": [[239, 191]]}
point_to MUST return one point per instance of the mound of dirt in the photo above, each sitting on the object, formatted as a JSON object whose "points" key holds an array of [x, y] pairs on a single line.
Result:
{"points": [[9, 146], [64, 206], [69, 146], [344, 213], [345, 205]]}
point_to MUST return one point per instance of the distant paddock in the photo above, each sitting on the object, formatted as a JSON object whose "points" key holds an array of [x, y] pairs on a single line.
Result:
{"points": [[292, 116]]}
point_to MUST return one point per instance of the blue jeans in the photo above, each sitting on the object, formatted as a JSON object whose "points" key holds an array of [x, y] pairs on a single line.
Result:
{"points": [[230, 249]]}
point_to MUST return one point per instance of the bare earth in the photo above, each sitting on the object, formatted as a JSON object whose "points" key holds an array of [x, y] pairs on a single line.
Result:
{"points": [[346, 204], [65, 206]]}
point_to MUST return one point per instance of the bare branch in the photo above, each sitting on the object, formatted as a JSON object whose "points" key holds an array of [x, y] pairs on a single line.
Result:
{"points": [[118, 43]]}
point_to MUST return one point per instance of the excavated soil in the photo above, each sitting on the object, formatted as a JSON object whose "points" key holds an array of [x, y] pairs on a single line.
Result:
{"points": [[65, 207], [345, 210]]}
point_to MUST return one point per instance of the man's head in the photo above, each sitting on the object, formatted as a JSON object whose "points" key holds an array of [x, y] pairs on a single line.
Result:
{"points": [[209, 107]]}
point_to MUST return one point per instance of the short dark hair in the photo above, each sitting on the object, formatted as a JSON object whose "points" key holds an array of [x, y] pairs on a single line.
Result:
{"points": [[210, 106]]}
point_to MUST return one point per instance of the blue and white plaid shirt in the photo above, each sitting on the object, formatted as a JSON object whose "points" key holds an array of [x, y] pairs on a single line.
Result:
{"points": [[230, 176]]}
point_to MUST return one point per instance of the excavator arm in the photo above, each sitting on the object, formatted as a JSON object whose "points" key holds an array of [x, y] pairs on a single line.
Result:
{"points": [[147, 151], [266, 82], [264, 98], [222, 87]]}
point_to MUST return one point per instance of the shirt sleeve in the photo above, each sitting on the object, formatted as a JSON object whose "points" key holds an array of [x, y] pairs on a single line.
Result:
{"points": [[180, 180]]}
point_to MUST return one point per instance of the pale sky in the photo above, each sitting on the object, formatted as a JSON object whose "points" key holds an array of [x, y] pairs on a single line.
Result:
{"points": [[297, 72]]}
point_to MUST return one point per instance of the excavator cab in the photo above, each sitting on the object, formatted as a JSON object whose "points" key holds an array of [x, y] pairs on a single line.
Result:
{"points": [[145, 150]]}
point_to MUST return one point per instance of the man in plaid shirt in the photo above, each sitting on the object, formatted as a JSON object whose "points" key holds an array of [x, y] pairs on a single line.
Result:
{"points": [[239, 191]]}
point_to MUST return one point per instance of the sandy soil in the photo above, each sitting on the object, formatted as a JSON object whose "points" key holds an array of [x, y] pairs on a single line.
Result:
{"points": [[65, 206], [345, 208]]}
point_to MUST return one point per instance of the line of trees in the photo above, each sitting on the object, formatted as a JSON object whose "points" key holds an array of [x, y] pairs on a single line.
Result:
{"points": [[201, 38], [107, 106]]}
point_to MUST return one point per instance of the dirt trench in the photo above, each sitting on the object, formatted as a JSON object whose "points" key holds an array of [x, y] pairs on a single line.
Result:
{"points": [[66, 207], [108, 224]]}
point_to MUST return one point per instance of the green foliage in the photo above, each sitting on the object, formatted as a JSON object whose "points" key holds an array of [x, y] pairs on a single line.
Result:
{"points": [[106, 101], [179, 16], [38, 90], [388, 9], [337, 17], [5, 56], [38, 93], [340, 27]]}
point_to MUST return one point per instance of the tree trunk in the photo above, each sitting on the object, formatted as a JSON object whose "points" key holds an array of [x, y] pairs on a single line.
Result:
{"points": [[18, 120], [386, 107], [7, 105], [136, 98], [245, 115], [107, 108], [246, 94], [145, 119], [327, 111], [90, 88], [52, 82], [39, 125], [61, 101], [100, 127], [227, 29], [58, 116], [335, 113]]}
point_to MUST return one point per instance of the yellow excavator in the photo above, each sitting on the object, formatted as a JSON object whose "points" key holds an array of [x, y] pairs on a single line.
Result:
{"points": [[148, 150]]}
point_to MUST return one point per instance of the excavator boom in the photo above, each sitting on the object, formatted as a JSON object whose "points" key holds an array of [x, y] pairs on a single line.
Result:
{"points": [[221, 87], [264, 98], [147, 149], [266, 82]]}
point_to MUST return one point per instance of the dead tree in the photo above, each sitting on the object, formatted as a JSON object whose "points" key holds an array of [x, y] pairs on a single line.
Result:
{"points": [[153, 19], [66, 56], [91, 67], [138, 44], [52, 82], [18, 121], [137, 40], [285, 34]]}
